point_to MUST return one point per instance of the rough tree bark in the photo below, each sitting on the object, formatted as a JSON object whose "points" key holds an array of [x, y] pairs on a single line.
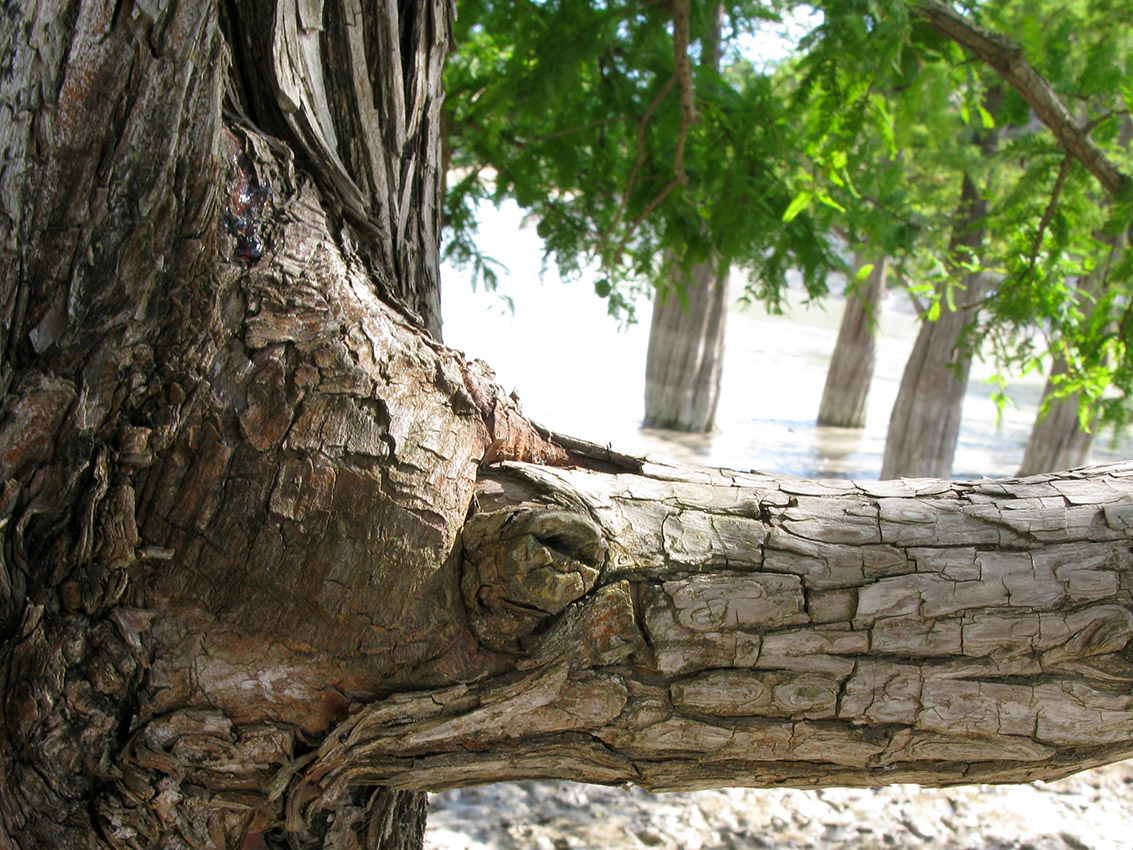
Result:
{"points": [[850, 374], [1057, 440], [202, 206], [685, 359], [274, 560], [685, 628]]}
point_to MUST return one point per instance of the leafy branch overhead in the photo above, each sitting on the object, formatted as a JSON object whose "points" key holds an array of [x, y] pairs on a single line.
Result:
{"points": [[1009, 60], [614, 128], [633, 132], [1063, 264]]}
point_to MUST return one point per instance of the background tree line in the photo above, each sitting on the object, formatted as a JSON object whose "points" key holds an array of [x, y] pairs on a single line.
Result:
{"points": [[885, 146]]}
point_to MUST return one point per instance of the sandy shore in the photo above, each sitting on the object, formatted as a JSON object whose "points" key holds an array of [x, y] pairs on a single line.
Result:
{"points": [[1092, 810]]}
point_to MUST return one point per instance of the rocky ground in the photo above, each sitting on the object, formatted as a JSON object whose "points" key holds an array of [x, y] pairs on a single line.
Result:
{"points": [[1092, 810]]}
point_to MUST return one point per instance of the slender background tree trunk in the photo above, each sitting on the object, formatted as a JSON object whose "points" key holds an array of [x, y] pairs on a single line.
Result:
{"points": [[846, 393], [684, 362], [925, 423], [202, 204], [685, 358]]}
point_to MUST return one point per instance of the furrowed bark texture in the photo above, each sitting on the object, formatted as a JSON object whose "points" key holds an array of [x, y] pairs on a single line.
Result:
{"points": [[201, 433], [685, 360], [358, 93], [689, 628], [684, 363], [848, 379]]}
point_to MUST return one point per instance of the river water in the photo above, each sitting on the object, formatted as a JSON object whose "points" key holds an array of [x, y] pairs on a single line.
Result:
{"points": [[578, 372]]}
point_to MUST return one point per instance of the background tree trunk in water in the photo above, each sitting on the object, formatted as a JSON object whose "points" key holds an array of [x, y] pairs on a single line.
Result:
{"points": [[1057, 440], [848, 379], [925, 423], [685, 359]]}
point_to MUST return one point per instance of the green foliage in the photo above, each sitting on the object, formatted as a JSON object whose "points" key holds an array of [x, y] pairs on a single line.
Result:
{"points": [[1045, 212], [573, 109], [1060, 276]]}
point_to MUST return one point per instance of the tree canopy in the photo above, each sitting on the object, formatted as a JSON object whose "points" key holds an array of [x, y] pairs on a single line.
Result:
{"points": [[588, 116], [598, 119]]}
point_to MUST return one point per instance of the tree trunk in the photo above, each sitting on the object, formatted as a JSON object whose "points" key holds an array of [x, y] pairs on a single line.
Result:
{"points": [[684, 363], [201, 206], [274, 560], [925, 423], [1057, 439], [848, 379], [685, 359]]}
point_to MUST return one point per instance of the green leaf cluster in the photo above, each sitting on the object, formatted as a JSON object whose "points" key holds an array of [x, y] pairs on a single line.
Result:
{"points": [[1063, 271], [573, 110]]}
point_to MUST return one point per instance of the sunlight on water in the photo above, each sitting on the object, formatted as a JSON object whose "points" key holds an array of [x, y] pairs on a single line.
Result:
{"points": [[575, 372]]}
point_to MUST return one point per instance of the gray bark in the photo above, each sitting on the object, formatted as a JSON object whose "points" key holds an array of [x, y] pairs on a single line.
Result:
{"points": [[274, 559], [925, 423], [691, 628], [848, 379], [685, 359]]}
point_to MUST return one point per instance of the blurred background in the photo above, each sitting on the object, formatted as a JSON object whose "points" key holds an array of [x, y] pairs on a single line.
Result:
{"points": [[580, 371]]}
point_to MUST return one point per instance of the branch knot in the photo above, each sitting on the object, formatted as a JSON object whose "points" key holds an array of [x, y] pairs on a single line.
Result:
{"points": [[523, 566]]}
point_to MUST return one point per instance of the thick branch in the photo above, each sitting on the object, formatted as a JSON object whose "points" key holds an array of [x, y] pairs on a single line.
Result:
{"points": [[751, 630], [1007, 59]]}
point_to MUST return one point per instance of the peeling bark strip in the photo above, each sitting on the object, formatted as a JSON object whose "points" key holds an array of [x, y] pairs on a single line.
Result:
{"points": [[357, 93], [756, 630]]}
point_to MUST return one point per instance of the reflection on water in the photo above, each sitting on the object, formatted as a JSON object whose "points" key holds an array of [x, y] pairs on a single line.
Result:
{"points": [[577, 373]]}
